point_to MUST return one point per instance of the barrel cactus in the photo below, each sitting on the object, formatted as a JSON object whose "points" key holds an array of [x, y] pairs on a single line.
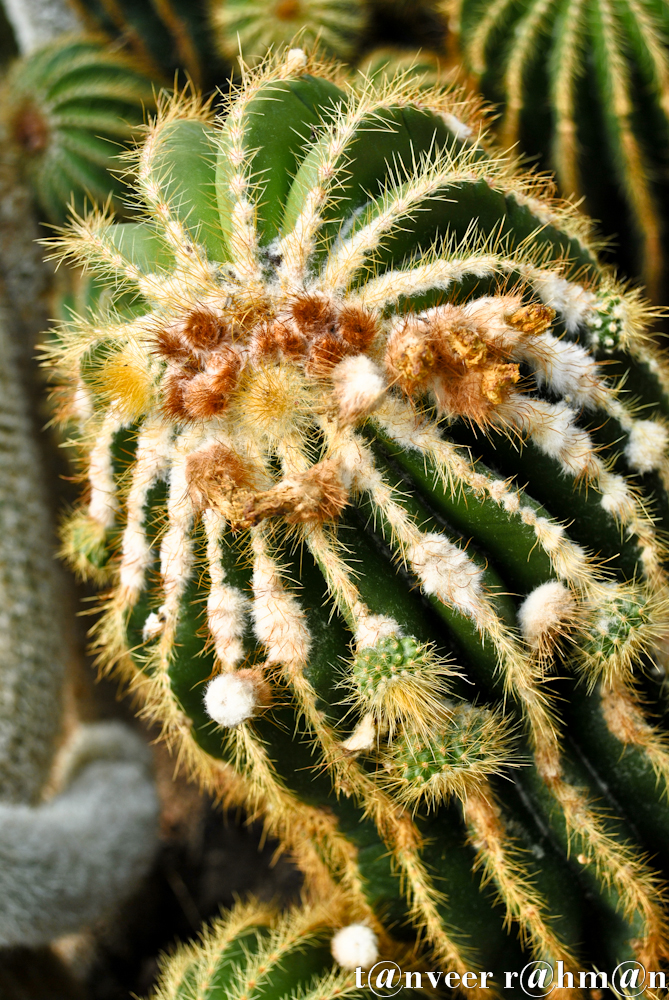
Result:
{"points": [[254, 949], [69, 108], [584, 85], [254, 27], [169, 35], [375, 452]]}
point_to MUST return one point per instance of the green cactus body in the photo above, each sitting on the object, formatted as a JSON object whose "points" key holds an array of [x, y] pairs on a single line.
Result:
{"points": [[341, 617], [254, 951], [585, 86], [69, 108]]}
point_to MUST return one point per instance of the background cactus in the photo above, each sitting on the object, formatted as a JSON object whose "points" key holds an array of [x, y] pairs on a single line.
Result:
{"points": [[254, 27], [304, 345], [169, 35], [72, 845], [70, 107], [585, 86]]}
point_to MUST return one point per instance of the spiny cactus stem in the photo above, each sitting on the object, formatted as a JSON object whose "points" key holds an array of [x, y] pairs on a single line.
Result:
{"points": [[636, 175], [503, 865], [625, 718], [617, 865], [391, 824]]}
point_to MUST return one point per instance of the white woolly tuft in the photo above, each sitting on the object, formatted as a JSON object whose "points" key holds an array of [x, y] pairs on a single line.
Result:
{"points": [[458, 128], [370, 628], [154, 624], [544, 610], [447, 571], [571, 301], [226, 611], [647, 445], [230, 699], [358, 387], [363, 736], [616, 498], [566, 367], [355, 946], [296, 60]]}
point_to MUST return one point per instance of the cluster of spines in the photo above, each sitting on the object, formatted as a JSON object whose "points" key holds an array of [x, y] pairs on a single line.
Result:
{"points": [[485, 341]]}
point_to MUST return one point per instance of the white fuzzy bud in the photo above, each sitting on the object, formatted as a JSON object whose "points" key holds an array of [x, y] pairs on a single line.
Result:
{"points": [[296, 60], [359, 387], [355, 946], [647, 445], [230, 699], [544, 611]]}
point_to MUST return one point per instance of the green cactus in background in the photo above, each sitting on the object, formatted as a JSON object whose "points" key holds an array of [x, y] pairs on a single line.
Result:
{"points": [[66, 859], [69, 109], [388, 61], [344, 619], [254, 950], [254, 27], [586, 86], [170, 35]]}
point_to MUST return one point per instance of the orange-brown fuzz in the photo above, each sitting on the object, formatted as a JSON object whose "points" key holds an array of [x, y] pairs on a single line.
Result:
{"points": [[207, 367], [469, 375], [214, 470], [314, 497], [358, 327], [203, 331], [30, 129]]}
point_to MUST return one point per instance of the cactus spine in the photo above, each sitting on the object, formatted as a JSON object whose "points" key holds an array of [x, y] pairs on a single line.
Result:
{"points": [[584, 85], [279, 410], [69, 107]]}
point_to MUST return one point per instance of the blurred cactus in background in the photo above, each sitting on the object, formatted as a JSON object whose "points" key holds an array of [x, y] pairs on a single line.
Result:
{"points": [[253, 28], [585, 86], [69, 108]]}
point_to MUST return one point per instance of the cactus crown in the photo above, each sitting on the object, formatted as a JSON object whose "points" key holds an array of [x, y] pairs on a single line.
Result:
{"points": [[277, 408]]}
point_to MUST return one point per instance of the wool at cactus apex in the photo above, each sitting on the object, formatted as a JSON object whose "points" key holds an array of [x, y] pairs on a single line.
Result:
{"points": [[536, 979]]}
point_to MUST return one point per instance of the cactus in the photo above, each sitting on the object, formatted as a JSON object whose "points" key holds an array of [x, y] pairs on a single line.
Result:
{"points": [[169, 35], [253, 948], [344, 619], [69, 108], [585, 86], [254, 28], [67, 858], [424, 67]]}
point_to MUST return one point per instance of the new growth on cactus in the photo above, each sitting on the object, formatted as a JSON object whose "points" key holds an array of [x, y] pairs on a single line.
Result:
{"points": [[344, 619], [586, 85], [69, 108]]}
